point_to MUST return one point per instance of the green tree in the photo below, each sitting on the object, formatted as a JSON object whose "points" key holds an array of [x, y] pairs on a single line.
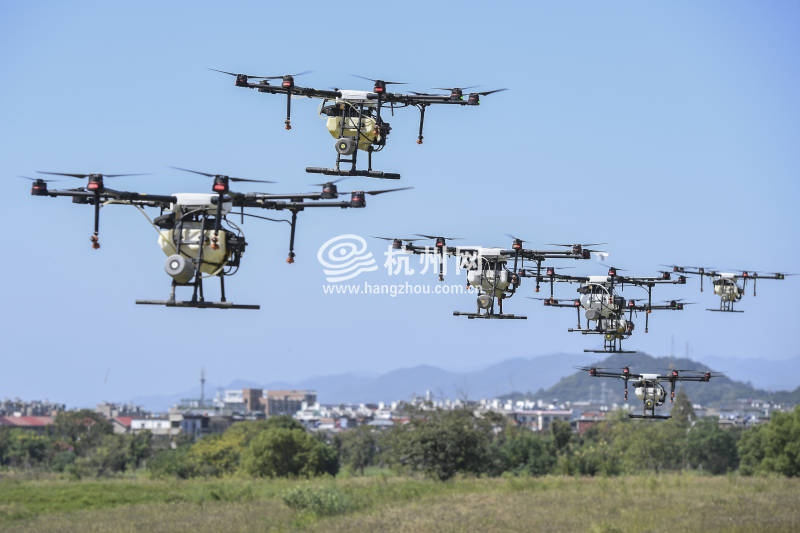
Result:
{"points": [[710, 448], [216, 455], [525, 451], [774, 446], [282, 452], [562, 434], [650, 445], [82, 430], [106, 458], [23, 448], [441, 443], [682, 411], [357, 447]]}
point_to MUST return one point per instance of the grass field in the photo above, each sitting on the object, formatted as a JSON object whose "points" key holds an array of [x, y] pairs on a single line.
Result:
{"points": [[383, 502]]}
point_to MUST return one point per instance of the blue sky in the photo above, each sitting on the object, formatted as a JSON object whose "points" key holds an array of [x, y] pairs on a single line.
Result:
{"points": [[668, 130]]}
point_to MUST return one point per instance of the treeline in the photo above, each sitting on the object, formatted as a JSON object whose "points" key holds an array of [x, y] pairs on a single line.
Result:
{"points": [[438, 444]]}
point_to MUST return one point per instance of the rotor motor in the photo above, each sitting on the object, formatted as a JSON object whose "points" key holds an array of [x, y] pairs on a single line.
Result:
{"points": [[179, 268]]}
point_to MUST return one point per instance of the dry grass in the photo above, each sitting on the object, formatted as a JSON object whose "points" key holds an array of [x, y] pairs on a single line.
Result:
{"points": [[638, 503]]}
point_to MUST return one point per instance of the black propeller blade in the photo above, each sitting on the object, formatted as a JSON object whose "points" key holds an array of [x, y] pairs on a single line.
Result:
{"points": [[380, 191], [261, 77], [384, 81], [437, 237], [77, 175], [37, 179], [484, 93], [222, 175]]}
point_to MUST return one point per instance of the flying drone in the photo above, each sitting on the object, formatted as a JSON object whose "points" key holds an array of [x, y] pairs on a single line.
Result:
{"points": [[487, 268], [354, 116], [648, 387], [195, 230], [604, 306], [726, 284]]}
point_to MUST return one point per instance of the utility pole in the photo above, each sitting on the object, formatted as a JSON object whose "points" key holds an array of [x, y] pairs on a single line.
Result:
{"points": [[202, 387]]}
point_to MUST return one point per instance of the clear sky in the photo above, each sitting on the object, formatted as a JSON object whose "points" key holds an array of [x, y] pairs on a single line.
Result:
{"points": [[669, 130]]}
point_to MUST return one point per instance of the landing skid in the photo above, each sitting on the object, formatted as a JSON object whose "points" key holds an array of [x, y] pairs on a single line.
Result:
{"points": [[610, 351], [486, 315], [197, 304], [725, 310], [657, 417], [365, 173]]}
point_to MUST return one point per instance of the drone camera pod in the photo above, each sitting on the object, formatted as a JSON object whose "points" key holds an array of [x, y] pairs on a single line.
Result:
{"points": [[179, 268], [346, 145]]}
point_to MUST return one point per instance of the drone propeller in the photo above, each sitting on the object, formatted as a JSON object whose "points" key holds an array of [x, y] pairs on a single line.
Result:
{"points": [[283, 75], [393, 239], [261, 77], [330, 182], [380, 191], [457, 89], [437, 237], [383, 81], [484, 93], [77, 175], [51, 181], [231, 178], [514, 237], [582, 245]]}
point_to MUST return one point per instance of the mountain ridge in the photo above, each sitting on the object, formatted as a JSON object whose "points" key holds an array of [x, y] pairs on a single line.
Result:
{"points": [[525, 376]]}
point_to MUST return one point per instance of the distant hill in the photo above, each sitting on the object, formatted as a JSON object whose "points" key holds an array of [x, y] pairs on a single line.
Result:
{"points": [[718, 391], [526, 376]]}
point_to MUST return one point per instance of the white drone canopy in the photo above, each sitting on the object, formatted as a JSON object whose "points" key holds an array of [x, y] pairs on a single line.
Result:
{"points": [[187, 201]]}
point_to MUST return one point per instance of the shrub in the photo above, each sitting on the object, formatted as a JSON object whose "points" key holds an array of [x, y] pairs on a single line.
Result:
{"points": [[323, 501]]}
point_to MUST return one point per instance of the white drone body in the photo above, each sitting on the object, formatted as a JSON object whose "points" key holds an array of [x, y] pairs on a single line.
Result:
{"points": [[193, 237], [486, 269], [650, 391], [726, 287]]}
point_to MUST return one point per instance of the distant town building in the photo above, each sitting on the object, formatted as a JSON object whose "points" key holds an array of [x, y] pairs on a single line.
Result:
{"points": [[18, 407], [288, 402], [539, 419], [34, 423], [112, 410]]}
